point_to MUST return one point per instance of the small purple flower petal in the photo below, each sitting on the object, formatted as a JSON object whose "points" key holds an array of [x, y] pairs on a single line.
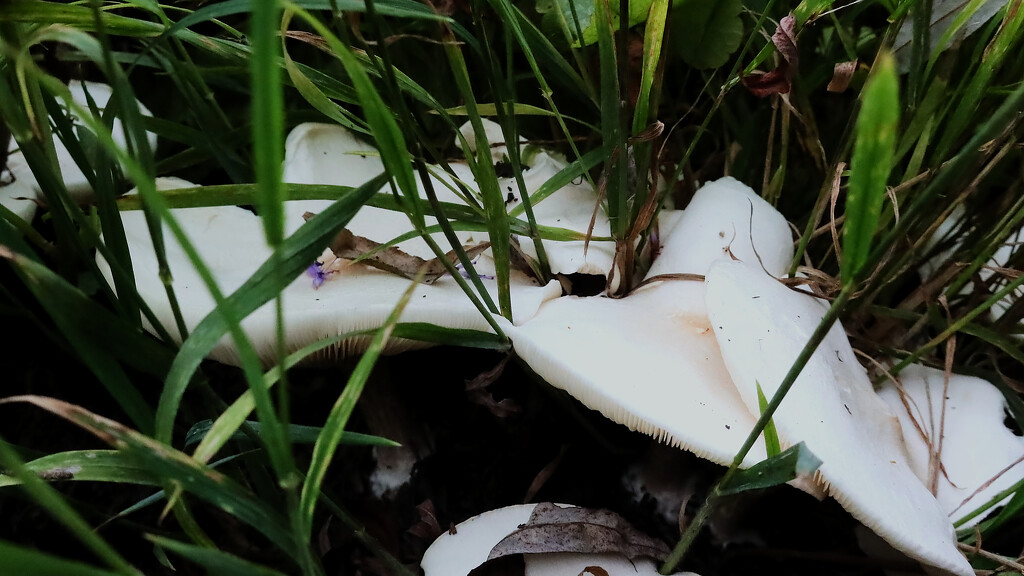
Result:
{"points": [[318, 275]]}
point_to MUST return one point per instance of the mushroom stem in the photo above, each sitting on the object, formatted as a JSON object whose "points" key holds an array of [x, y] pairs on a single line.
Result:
{"points": [[830, 318]]}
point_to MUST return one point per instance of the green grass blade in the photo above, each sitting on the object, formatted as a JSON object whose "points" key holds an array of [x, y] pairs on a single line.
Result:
{"points": [[26, 562], [296, 435], [776, 470], [91, 331], [771, 435], [327, 443], [54, 504], [179, 469], [654, 34], [873, 153], [86, 466], [214, 561], [267, 117]]}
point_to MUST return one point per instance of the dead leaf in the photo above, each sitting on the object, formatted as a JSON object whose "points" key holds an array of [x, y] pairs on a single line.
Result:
{"points": [[842, 73], [391, 259], [427, 529], [595, 570], [579, 530], [476, 390], [779, 80]]}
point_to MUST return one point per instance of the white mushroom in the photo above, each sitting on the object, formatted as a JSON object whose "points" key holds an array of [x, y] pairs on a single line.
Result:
{"points": [[74, 179], [230, 241], [18, 197], [650, 360], [458, 553], [330, 154], [980, 456], [761, 327]]}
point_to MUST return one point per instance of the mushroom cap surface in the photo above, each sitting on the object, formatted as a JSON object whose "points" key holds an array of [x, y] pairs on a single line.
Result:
{"points": [[761, 327], [976, 445], [231, 242], [330, 154], [77, 184]]}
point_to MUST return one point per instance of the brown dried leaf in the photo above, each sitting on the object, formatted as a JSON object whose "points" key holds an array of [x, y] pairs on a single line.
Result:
{"points": [[595, 570], [769, 83], [351, 247], [842, 73], [779, 80], [427, 529], [579, 530], [784, 39]]}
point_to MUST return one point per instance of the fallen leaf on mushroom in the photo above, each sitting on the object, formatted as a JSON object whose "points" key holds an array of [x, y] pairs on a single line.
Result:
{"points": [[554, 539]]}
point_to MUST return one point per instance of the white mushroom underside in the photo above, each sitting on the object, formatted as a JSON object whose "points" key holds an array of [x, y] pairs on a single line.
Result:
{"points": [[762, 326]]}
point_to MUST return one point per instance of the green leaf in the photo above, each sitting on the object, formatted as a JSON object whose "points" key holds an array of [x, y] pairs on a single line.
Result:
{"points": [[706, 32], [25, 562], [796, 461], [873, 153], [296, 435], [179, 469], [771, 435], [86, 465], [327, 443], [585, 14], [215, 561]]}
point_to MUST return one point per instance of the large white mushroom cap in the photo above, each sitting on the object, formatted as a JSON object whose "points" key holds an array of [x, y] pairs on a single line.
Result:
{"points": [[650, 360], [330, 154], [980, 456], [458, 553], [230, 240], [18, 197], [74, 179], [762, 326]]}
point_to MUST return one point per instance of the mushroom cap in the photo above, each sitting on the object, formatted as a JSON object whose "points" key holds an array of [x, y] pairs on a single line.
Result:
{"points": [[458, 553], [976, 445], [726, 216], [495, 138], [74, 179], [650, 360], [761, 327], [19, 197], [330, 154], [231, 242]]}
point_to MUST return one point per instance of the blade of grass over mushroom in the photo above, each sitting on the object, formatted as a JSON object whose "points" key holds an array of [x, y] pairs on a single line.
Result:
{"points": [[872, 161], [612, 136], [54, 504], [327, 443], [15, 559], [494, 201], [267, 121], [778, 469], [771, 436], [296, 252], [171, 465], [215, 561]]}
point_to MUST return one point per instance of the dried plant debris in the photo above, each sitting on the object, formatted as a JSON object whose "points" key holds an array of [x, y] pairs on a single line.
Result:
{"points": [[583, 530], [348, 246], [779, 80]]}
